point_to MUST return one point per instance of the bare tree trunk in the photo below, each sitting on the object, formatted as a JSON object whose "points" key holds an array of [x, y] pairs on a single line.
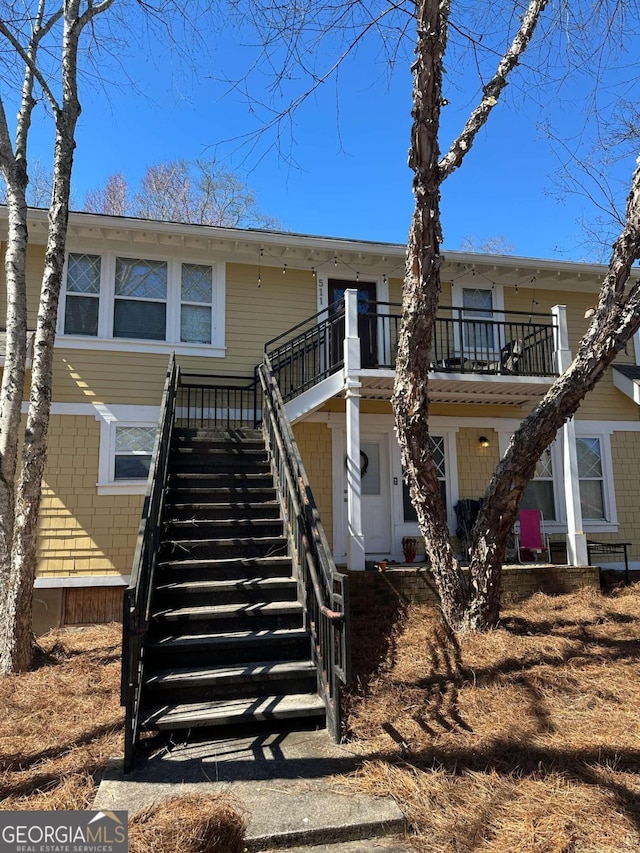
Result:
{"points": [[15, 625], [616, 320], [420, 302]]}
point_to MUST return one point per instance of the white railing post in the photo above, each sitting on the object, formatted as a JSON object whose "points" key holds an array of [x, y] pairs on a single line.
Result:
{"points": [[352, 385], [577, 554], [562, 353]]}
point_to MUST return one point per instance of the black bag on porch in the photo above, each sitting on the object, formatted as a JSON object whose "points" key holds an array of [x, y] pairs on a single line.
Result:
{"points": [[466, 511]]}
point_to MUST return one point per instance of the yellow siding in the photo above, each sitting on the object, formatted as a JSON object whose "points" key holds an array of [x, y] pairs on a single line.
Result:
{"points": [[35, 266], [625, 454], [81, 532], [475, 464], [314, 443], [257, 314], [605, 402], [395, 291]]}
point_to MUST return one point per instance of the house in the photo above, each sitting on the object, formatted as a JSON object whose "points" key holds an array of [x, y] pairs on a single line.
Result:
{"points": [[135, 291]]}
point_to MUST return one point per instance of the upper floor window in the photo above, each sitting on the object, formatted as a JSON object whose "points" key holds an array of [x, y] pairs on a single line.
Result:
{"points": [[83, 295], [152, 301], [140, 306]]}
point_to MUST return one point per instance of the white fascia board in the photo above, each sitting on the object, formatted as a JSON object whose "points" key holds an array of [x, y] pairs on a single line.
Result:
{"points": [[82, 582], [315, 397], [630, 387]]}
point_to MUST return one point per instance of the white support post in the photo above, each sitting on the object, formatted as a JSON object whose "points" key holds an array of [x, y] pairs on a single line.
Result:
{"points": [[577, 554], [355, 535]]}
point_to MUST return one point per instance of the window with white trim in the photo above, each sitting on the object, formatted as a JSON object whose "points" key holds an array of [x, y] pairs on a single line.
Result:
{"points": [[439, 458], [477, 303], [590, 474], [196, 291], [133, 452], [83, 295], [127, 439], [140, 303], [540, 491], [149, 302]]}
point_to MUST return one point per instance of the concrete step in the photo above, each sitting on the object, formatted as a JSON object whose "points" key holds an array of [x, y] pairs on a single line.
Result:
{"points": [[288, 783], [224, 713]]}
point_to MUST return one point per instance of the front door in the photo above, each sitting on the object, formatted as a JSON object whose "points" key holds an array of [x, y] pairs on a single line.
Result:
{"points": [[376, 499], [367, 321]]}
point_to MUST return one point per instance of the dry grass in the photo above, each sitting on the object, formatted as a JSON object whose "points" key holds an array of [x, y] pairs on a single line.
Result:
{"points": [[190, 823], [523, 739], [60, 723]]}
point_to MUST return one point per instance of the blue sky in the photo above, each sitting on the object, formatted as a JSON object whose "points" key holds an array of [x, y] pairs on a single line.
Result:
{"points": [[351, 177]]}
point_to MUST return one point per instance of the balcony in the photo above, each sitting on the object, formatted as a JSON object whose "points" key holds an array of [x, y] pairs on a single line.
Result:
{"points": [[497, 357]]}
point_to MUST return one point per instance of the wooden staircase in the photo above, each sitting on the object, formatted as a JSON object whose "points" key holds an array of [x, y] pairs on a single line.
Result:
{"points": [[227, 641]]}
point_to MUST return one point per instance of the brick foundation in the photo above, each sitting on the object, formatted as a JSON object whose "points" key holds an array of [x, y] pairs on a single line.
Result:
{"points": [[416, 586]]}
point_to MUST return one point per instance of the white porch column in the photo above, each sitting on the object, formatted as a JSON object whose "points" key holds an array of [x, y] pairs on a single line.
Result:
{"points": [[355, 536], [576, 538]]}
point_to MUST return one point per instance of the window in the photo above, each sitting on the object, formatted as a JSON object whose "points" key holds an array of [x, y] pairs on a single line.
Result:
{"points": [[539, 493], [133, 451], [196, 293], [83, 295], [591, 478], [143, 304], [140, 309], [438, 451], [478, 337]]}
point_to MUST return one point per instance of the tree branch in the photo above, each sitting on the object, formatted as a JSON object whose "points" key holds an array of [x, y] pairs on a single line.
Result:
{"points": [[24, 55], [491, 92]]}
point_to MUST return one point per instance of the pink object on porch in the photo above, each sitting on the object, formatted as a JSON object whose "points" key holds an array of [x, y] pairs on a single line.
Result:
{"points": [[531, 537]]}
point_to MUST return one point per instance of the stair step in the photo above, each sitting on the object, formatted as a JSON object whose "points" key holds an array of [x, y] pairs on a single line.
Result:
{"points": [[228, 647], [232, 568], [209, 448], [212, 592], [202, 676], [220, 433], [222, 713], [251, 546], [240, 509], [212, 522], [246, 585], [213, 612]]}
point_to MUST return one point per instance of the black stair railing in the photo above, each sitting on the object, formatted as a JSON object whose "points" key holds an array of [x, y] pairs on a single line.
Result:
{"points": [[205, 401], [326, 590], [307, 353], [137, 597]]}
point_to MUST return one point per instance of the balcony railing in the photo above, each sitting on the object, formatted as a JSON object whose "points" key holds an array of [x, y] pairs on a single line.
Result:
{"points": [[506, 343]]}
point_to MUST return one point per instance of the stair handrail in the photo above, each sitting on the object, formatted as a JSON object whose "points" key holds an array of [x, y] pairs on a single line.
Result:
{"points": [[137, 596], [326, 590]]}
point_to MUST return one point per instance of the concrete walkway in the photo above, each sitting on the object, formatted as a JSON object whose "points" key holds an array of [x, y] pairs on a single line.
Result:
{"points": [[282, 779]]}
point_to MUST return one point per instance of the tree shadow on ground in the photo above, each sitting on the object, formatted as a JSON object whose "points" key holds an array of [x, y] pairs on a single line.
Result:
{"points": [[534, 674]]}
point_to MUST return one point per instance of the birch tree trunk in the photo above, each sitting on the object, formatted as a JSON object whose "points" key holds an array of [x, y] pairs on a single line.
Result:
{"points": [[18, 570]]}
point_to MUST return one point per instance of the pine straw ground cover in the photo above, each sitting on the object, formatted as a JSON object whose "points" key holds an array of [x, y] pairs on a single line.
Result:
{"points": [[60, 723], [523, 739]]}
